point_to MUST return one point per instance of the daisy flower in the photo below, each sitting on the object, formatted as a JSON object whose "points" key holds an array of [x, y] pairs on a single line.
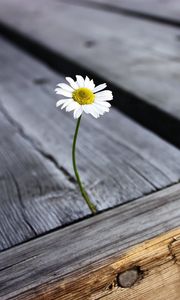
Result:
{"points": [[83, 96]]}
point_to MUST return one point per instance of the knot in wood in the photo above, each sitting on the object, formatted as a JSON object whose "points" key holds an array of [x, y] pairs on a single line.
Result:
{"points": [[128, 278]]}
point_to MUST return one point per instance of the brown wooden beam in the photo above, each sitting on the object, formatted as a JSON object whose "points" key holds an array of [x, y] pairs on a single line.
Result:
{"points": [[88, 260]]}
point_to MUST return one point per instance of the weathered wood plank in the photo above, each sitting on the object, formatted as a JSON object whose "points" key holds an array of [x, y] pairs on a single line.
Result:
{"points": [[133, 54], [166, 11], [122, 154], [118, 159], [32, 190], [83, 261]]}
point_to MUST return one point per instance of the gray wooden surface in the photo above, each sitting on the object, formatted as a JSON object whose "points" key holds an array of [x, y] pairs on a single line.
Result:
{"points": [[118, 160], [138, 56], [123, 165], [35, 195], [47, 265], [157, 10]]}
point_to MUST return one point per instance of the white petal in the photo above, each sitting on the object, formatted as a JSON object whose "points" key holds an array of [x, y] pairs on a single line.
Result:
{"points": [[101, 109], [104, 95], [105, 98], [77, 113], [85, 108], [91, 85], [72, 83], [60, 91], [86, 82], [98, 109], [60, 102], [65, 87], [67, 103], [102, 103], [80, 80], [72, 106], [94, 112], [100, 87], [90, 110]]}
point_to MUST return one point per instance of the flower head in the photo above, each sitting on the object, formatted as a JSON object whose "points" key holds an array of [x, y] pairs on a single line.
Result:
{"points": [[83, 96]]}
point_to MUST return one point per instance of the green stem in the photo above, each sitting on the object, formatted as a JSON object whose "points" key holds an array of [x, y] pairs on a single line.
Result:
{"points": [[83, 191]]}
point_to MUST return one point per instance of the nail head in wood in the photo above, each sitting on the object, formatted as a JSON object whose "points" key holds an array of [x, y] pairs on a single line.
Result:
{"points": [[128, 278]]}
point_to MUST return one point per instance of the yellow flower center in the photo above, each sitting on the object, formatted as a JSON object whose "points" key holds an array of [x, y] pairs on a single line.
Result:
{"points": [[83, 96]]}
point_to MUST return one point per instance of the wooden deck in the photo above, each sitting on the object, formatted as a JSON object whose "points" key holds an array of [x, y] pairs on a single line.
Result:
{"points": [[50, 245]]}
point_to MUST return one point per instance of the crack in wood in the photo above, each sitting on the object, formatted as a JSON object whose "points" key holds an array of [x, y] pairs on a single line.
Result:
{"points": [[174, 249], [36, 144], [22, 204]]}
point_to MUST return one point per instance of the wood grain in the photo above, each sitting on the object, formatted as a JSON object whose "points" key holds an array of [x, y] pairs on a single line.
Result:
{"points": [[119, 163], [159, 275], [118, 160], [139, 57], [83, 261], [32, 190], [165, 11]]}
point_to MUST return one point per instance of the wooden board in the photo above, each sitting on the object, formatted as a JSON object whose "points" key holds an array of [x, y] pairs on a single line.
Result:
{"points": [[162, 11], [140, 58], [86, 260], [32, 189], [118, 160]]}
